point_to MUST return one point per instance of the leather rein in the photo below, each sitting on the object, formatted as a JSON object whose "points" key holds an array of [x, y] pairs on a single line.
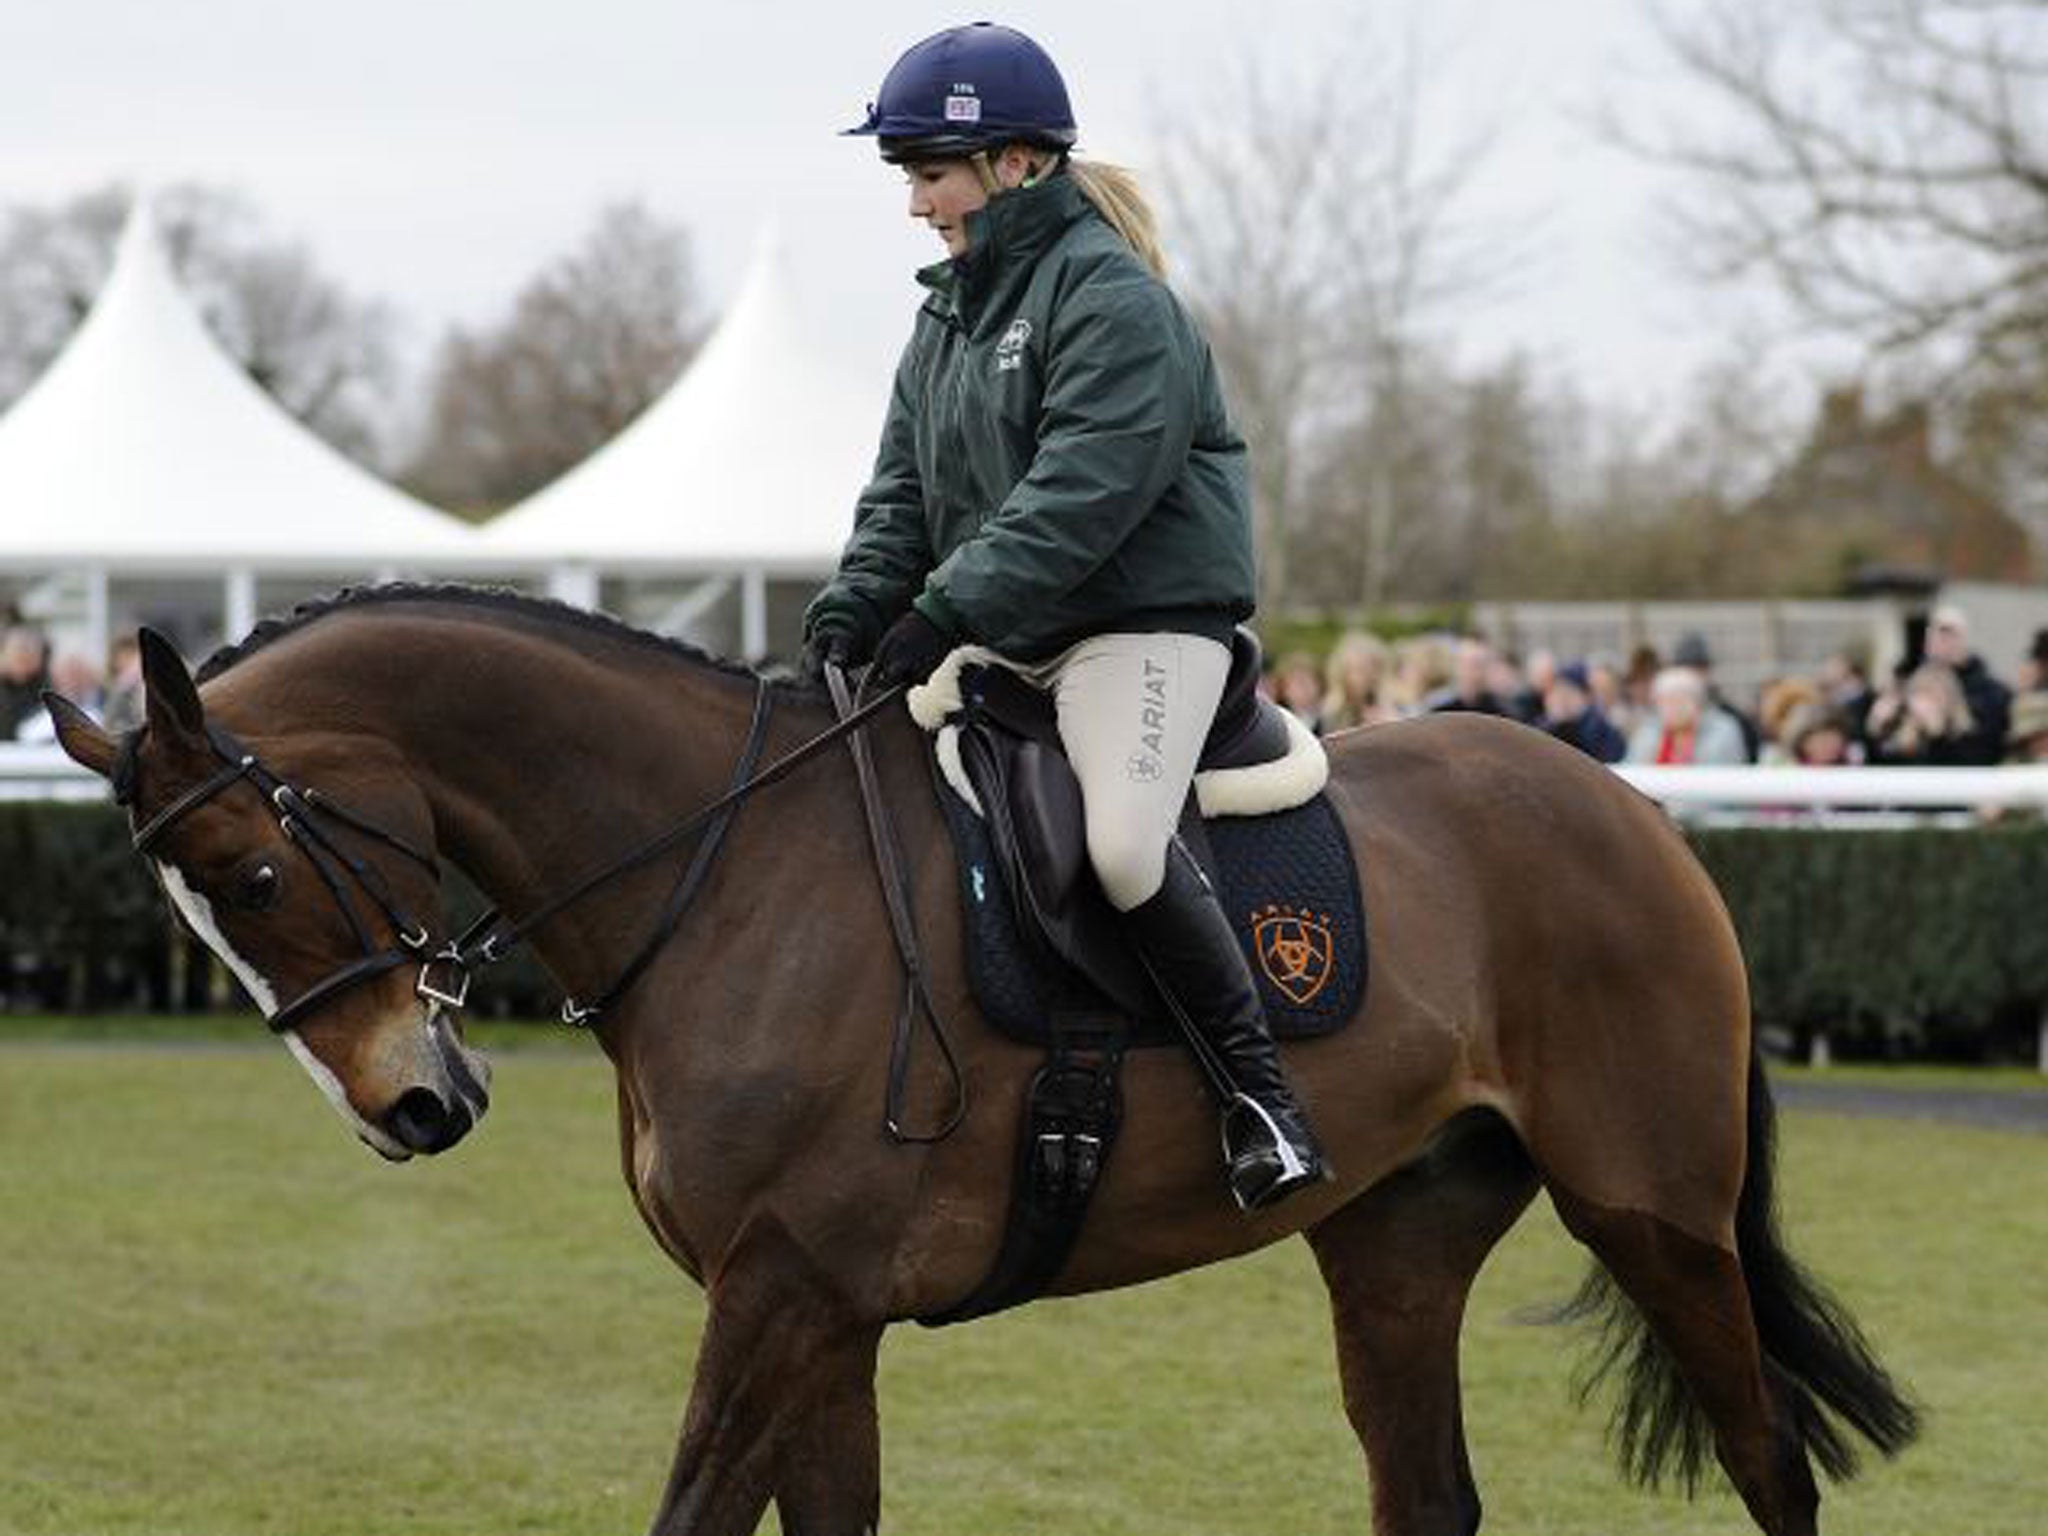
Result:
{"points": [[310, 820]]}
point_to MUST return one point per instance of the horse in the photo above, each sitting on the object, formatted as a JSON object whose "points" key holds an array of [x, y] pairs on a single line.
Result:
{"points": [[1557, 1003]]}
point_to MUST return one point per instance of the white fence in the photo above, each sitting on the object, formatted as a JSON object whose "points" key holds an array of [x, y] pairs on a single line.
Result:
{"points": [[1840, 796], [42, 772]]}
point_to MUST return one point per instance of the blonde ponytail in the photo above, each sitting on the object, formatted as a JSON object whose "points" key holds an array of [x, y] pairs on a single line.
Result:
{"points": [[1116, 195]]}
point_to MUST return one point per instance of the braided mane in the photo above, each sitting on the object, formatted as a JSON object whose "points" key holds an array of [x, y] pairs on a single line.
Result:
{"points": [[573, 624]]}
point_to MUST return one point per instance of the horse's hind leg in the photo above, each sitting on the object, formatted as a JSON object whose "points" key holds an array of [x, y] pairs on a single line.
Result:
{"points": [[1399, 1261], [1693, 1298]]}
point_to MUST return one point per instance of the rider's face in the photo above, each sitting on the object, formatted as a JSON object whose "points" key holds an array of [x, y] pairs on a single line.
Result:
{"points": [[943, 193]]}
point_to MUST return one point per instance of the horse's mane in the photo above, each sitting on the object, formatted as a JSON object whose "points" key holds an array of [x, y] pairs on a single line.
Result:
{"points": [[573, 622]]}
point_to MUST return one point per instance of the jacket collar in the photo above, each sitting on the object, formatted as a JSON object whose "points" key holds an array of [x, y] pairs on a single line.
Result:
{"points": [[1004, 238]]}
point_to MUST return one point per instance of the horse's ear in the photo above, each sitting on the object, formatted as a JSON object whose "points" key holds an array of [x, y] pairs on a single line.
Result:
{"points": [[81, 737], [173, 701]]}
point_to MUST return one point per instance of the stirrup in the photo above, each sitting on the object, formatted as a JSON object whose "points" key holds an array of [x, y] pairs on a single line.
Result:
{"points": [[1244, 1164]]}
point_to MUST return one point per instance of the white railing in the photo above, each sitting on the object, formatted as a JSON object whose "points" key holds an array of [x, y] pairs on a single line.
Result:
{"points": [[41, 771], [1817, 791]]}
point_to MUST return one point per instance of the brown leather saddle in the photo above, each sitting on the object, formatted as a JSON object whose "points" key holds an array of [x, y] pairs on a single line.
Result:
{"points": [[1030, 798]]}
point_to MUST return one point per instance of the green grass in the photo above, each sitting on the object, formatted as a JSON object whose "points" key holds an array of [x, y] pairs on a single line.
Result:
{"points": [[245, 1027], [219, 1314]]}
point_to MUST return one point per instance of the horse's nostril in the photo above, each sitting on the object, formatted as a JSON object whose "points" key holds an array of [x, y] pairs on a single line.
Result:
{"points": [[423, 1123]]}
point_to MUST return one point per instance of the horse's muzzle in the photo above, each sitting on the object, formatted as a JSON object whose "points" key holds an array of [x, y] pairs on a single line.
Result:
{"points": [[423, 1121]]}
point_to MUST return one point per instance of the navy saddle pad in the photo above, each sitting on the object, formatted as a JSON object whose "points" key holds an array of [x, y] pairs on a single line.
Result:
{"points": [[1286, 880]]}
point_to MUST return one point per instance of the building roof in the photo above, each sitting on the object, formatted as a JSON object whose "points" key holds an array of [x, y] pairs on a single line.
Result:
{"points": [[752, 459], [145, 446]]}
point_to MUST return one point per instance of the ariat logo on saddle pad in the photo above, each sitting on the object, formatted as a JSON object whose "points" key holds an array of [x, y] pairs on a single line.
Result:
{"points": [[1294, 949]]}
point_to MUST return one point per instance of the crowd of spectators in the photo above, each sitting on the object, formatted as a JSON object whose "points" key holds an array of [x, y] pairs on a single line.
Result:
{"points": [[1943, 707]]}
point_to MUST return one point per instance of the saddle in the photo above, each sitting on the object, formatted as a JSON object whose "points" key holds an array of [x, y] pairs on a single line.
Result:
{"points": [[1046, 947], [1048, 958]]}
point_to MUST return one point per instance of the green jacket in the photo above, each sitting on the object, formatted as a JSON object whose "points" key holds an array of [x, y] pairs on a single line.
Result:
{"points": [[1057, 461]]}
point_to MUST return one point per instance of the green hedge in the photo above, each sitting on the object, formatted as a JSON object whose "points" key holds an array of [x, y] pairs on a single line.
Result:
{"points": [[84, 929], [1915, 942], [1924, 941]]}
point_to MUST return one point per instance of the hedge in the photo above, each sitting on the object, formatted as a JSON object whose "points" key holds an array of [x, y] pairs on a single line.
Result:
{"points": [[84, 929], [1921, 941]]}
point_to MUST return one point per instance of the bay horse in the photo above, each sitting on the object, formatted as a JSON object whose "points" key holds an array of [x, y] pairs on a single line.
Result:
{"points": [[1557, 1003]]}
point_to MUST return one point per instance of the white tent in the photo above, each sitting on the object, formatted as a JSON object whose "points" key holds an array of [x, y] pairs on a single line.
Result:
{"points": [[744, 471], [146, 450]]}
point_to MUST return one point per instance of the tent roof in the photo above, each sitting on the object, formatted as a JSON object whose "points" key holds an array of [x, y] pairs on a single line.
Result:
{"points": [[752, 458], [146, 445]]}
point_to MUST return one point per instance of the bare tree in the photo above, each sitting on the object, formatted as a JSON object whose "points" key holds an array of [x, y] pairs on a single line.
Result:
{"points": [[1317, 230], [325, 356], [1885, 164], [591, 341]]}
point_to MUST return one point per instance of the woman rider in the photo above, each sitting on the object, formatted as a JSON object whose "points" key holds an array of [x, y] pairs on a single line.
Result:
{"points": [[1058, 481]]}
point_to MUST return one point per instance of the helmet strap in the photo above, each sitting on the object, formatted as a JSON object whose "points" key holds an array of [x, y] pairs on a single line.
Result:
{"points": [[986, 170]]}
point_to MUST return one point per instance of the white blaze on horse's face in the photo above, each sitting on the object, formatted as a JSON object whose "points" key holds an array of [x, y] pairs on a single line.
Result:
{"points": [[420, 1050], [198, 914]]}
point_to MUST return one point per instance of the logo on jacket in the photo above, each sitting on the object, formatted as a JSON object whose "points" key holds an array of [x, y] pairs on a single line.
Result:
{"points": [[1295, 950], [1010, 350]]}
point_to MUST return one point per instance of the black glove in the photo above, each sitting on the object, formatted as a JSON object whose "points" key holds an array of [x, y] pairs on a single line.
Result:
{"points": [[828, 642], [910, 650]]}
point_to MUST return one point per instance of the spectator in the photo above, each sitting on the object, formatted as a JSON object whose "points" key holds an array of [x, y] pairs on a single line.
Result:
{"points": [[78, 679], [2033, 672], [1636, 683], [24, 674], [1517, 686], [121, 710], [1298, 688], [1603, 674], [1780, 701], [1691, 652], [1356, 678], [1571, 715], [1846, 682], [2027, 739], [1989, 700], [1471, 686], [1926, 722], [1684, 730], [1422, 664], [1820, 736]]}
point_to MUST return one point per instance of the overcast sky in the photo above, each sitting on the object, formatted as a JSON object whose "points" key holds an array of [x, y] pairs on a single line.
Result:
{"points": [[434, 155]]}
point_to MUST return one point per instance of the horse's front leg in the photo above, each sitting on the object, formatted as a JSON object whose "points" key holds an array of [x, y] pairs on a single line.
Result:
{"points": [[783, 1404]]}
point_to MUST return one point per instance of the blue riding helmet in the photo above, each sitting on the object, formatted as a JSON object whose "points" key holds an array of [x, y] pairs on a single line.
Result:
{"points": [[969, 89]]}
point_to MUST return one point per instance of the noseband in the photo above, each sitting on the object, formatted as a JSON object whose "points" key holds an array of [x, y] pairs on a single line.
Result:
{"points": [[303, 816]]}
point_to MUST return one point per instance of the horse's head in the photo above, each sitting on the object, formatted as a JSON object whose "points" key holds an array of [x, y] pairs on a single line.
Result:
{"points": [[304, 872]]}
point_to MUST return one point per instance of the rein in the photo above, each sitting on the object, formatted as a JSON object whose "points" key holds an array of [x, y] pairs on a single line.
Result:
{"points": [[444, 974]]}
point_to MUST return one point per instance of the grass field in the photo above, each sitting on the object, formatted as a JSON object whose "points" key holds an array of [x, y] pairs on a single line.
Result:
{"points": [[220, 1315]]}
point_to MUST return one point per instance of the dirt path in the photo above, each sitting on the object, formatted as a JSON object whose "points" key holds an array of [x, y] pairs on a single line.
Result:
{"points": [[1991, 1108]]}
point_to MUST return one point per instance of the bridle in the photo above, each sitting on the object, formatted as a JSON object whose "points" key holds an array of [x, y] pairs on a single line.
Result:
{"points": [[303, 816], [309, 819]]}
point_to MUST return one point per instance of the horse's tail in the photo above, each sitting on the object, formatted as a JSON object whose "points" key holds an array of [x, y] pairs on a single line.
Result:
{"points": [[1825, 1372]]}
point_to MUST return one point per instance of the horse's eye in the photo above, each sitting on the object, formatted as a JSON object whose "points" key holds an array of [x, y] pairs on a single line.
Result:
{"points": [[256, 888]]}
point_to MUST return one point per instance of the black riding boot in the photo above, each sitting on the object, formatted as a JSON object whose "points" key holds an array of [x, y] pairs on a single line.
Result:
{"points": [[1188, 944]]}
